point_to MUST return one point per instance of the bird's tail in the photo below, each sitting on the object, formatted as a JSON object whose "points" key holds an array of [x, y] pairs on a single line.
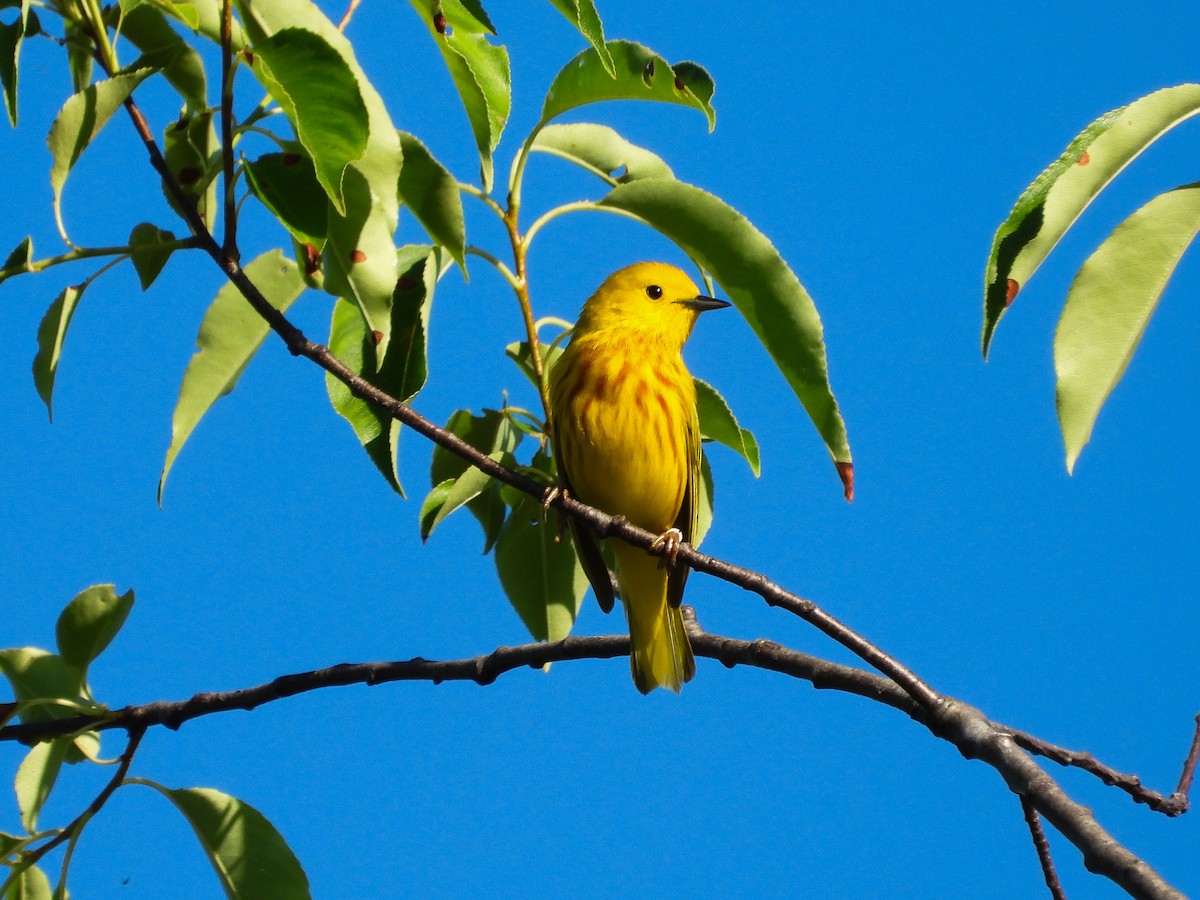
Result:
{"points": [[662, 655]]}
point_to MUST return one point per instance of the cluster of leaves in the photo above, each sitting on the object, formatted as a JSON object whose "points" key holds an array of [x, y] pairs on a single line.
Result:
{"points": [[1115, 293], [250, 857]]}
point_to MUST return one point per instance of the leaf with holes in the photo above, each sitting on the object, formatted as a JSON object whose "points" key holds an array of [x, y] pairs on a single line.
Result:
{"points": [[192, 154], [600, 150], [641, 74], [1049, 207]]}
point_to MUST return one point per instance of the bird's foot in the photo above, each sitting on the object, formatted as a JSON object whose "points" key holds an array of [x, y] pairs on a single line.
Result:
{"points": [[551, 495], [669, 543]]}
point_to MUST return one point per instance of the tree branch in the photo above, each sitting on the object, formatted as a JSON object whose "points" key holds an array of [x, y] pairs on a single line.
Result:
{"points": [[1042, 846]]}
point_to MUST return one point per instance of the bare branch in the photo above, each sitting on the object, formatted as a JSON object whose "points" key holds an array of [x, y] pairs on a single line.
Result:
{"points": [[1042, 846]]}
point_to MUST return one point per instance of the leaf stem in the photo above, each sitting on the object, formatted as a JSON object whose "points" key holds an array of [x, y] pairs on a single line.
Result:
{"points": [[499, 265], [479, 194]]}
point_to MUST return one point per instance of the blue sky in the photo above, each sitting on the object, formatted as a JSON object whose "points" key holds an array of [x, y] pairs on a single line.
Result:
{"points": [[879, 147]]}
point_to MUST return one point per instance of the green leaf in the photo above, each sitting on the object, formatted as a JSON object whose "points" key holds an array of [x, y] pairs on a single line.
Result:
{"points": [[539, 572], [518, 352], [404, 369], [89, 623], [1057, 197], [286, 184], [80, 54], [35, 779], [704, 502], [21, 254], [30, 884], [146, 27], [193, 156], [318, 91], [718, 423], [641, 74], [151, 250], [480, 72], [431, 192], [432, 504], [230, 334], [201, 16], [35, 675], [11, 36], [600, 150], [79, 121], [1111, 302], [469, 485], [250, 857], [760, 284], [360, 253], [583, 15], [489, 433], [50, 336]]}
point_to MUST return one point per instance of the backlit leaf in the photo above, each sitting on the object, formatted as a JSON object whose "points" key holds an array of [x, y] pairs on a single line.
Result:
{"points": [[718, 423], [35, 778], [50, 336], [286, 184], [230, 334], [146, 27], [432, 194], [152, 247], [1057, 197], [89, 622], [583, 15], [641, 74], [79, 121], [30, 884], [192, 154], [36, 674], [489, 433], [1110, 304], [250, 857], [601, 150]]}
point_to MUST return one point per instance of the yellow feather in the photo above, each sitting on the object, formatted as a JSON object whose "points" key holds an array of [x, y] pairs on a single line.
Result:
{"points": [[628, 442]]}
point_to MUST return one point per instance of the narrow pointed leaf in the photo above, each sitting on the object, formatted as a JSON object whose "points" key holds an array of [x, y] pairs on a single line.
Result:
{"points": [[1057, 197], [539, 572], [601, 150], [432, 194], [250, 857], [79, 55], [489, 433], [432, 505], [286, 184], [146, 27], [151, 250], [50, 336], [35, 778], [20, 255], [583, 15], [469, 485], [89, 623], [360, 254], [704, 505], [1110, 304], [641, 74], [404, 369], [11, 37], [79, 121], [230, 334], [718, 423], [319, 93], [757, 280], [480, 71]]}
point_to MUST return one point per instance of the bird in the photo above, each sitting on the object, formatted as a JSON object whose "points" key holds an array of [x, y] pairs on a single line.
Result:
{"points": [[626, 438]]}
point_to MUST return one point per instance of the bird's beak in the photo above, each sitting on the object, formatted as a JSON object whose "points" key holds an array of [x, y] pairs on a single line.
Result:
{"points": [[701, 303]]}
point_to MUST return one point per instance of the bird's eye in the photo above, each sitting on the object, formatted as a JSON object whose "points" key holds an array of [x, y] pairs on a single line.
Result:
{"points": [[654, 292]]}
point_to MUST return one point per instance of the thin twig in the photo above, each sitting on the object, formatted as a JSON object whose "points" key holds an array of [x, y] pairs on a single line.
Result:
{"points": [[1043, 850], [229, 244], [348, 15], [135, 738]]}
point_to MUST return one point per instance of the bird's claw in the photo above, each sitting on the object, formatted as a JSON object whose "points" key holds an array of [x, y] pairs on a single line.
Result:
{"points": [[669, 543], [551, 495]]}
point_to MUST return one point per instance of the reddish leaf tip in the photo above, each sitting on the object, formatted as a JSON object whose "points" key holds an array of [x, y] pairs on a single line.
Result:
{"points": [[845, 472], [358, 257], [1013, 288], [312, 259]]}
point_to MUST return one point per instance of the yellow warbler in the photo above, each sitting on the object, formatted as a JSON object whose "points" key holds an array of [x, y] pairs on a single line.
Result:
{"points": [[627, 441]]}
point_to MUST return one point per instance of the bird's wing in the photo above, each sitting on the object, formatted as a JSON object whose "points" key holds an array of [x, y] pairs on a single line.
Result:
{"points": [[587, 548], [689, 512]]}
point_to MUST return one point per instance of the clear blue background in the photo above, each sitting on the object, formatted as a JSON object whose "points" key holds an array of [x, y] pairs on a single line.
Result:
{"points": [[879, 146]]}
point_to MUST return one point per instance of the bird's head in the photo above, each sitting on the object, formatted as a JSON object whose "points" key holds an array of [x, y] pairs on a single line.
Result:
{"points": [[653, 301]]}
